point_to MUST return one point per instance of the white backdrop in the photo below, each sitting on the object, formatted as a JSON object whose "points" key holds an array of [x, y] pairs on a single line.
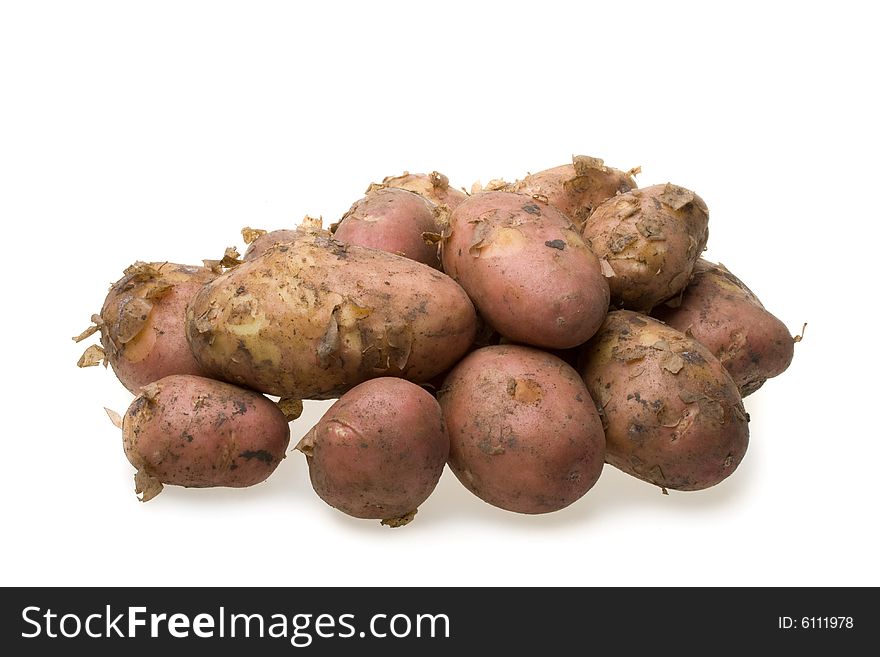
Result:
{"points": [[155, 131]]}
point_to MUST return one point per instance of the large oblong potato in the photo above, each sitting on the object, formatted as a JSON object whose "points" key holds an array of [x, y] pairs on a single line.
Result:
{"points": [[577, 188], [719, 311], [524, 434], [379, 451], [672, 414], [649, 240], [526, 268], [196, 432], [315, 317], [142, 323]]}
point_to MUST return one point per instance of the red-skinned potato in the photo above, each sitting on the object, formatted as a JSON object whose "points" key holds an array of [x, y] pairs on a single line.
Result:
{"points": [[672, 414], [433, 186], [577, 188], [315, 317], [524, 434], [527, 270], [719, 311], [379, 451], [142, 323], [196, 432], [393, 220], [649, 240]]}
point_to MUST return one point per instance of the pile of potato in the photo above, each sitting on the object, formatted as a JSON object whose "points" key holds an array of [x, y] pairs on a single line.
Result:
{"points": [[525, 333]]}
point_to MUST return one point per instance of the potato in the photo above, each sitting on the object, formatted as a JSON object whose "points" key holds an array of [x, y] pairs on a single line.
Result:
{"points": [[720, 312], [671, 412], [433, 186], [577, 188], [259, 241], [524, 434], [526, 268], [649, 240], [259, 244], [142, 323], [393, 220], [313, 318], [196, 432], [379, 451]]}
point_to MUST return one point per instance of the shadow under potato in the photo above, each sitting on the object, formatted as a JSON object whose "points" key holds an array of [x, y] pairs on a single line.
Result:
{"points": [[614, 493]]}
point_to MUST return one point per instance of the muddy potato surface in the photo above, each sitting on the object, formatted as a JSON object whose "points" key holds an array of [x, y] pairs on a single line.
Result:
{"points": [[577, 188], [142, 322], [379, 451], [313, 318], [196, 432], [648, 241], [433, 186], [672, 414], [524, 434], [719, 311]]}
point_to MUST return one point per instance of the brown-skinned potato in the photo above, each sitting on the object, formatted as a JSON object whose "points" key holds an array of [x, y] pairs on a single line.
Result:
{"points": [[649, 240], [433, 186], [524, 434], [393, 220], [379, 451], [672, 414], [719, 311], [142, 323], [261, 241], [315, 317], [577, 188], [196, 432], [526, 269]]}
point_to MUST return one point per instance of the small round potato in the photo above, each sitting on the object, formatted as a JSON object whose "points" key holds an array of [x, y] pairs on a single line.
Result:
{"points": [[433, 186], [265, 241], [526, 268], [142, 322], [196, 432], [649, 240], [577, 188], [393, 220], [719, 311], [524, 434], [379, 451], [672, 414]]}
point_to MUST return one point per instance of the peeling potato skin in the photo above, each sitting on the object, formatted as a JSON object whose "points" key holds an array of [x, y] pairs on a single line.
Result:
{"points": [[433, 186], [158, 346], [268, 240], [526, 268], [196, 432], [650, 246], [576, 190], [379, 451], [672, 414], [524, 434], [392, 220], [719, 311], [313, 318]]}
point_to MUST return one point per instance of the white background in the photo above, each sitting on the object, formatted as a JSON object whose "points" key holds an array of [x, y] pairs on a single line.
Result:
{"points": [[155, 131]]}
